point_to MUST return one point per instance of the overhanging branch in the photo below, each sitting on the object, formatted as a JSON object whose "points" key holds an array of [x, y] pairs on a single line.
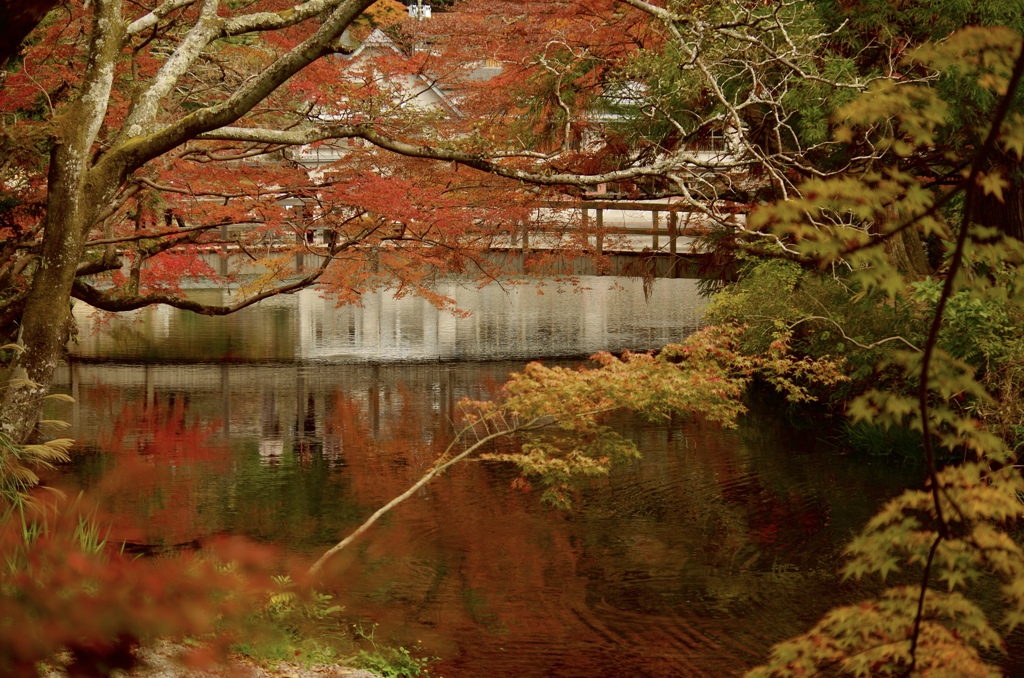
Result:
{"points": [[116, 302], [476, 161], [150, 236]]}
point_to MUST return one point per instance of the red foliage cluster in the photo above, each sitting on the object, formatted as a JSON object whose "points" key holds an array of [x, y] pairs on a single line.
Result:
{"points": [[58, 593], [509, 82]]}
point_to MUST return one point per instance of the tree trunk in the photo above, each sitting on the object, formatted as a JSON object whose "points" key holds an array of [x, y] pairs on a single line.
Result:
{"points": [[73, 194], [44, 323], [1006, 214], [905, 249], [906, 252]]}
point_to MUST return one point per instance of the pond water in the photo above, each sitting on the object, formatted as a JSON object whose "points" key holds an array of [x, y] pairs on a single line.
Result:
{"points": [[293, 421]]}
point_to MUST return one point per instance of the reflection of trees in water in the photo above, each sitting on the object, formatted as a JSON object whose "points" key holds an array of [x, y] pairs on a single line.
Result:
{"points": [[309, 421], [310, 426], [271, 442], [147, 462], [677, 563], [700, 555]]}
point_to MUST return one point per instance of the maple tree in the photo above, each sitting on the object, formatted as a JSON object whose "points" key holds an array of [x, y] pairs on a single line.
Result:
{"points": [[139, 136], [121, 163]]}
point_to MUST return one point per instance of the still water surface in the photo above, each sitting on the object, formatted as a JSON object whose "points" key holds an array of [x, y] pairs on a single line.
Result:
{"points": [[292, 421]]}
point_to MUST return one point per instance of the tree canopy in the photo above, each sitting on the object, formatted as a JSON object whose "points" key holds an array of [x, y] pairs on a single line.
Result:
{"points": [[869, 146], [138, 137]]}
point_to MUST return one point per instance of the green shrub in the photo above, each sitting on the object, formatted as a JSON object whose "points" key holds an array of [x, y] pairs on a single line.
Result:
{"points": [[826, 315], [388, 662]]}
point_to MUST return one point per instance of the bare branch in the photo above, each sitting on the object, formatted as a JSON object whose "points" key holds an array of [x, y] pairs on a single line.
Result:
{"points": [[476, 161], [150, 20], [874, 344], [439, 467], [164, 188], [112, 301], [149, 236], [269, 21]]}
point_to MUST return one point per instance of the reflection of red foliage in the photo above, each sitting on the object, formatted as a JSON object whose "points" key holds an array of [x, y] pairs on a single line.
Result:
{"points": [[161, 452], [453, 525], [784, 517], [163, 433], [774, 520], [346, 422]]}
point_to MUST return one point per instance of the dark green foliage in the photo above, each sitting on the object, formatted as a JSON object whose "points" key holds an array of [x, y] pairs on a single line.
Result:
{"points": [[958, 530], [827, 316], [896, 443]]}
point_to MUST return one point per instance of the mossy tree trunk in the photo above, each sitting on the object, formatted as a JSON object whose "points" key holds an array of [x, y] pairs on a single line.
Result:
{"points": [[90, 163]]}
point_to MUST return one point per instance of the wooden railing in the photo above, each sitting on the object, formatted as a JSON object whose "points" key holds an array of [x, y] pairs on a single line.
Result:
{"points": [[668, 220], [669, 227]]}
